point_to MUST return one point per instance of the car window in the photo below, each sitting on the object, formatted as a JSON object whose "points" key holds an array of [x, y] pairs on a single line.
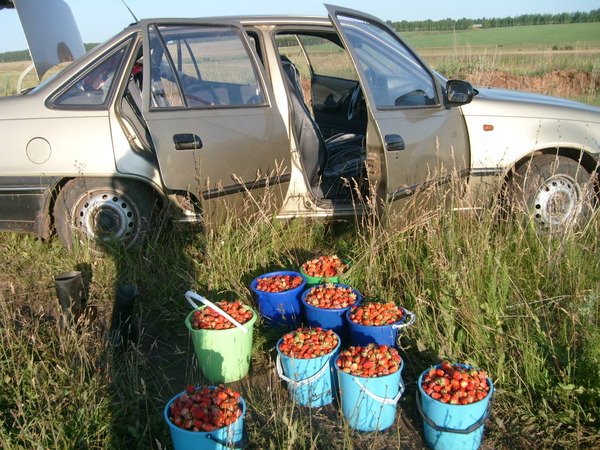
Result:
{"points": [[93, 87], [201, 66], [327, 58], [395, 76], [316, 55]]}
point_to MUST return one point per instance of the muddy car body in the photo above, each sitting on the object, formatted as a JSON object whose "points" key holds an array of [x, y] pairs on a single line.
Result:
{"points": [[298, 116]]}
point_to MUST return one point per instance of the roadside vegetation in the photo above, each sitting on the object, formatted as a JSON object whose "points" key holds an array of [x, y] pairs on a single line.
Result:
{"points": [[486, 289]]}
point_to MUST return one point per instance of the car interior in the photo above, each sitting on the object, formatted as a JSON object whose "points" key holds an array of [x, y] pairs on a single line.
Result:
{"points": [[328, 126]]}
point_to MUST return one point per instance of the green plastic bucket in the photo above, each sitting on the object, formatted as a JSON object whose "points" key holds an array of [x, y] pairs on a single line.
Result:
{"points": [[223, 355], [313, 281], [446, 426]]}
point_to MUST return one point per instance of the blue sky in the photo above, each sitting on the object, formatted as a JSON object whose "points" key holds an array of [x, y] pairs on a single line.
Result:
{"points": [[100, 19]]}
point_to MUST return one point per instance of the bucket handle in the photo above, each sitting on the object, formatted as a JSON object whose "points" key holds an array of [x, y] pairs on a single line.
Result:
{"points": [[405, 324], [299, 383], [377, 398], [240, 444], [189, 295], [436, 427]]}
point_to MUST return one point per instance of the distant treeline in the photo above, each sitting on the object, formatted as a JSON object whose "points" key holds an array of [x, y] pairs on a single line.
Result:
{"points": [[467, 24], [23, 55]]}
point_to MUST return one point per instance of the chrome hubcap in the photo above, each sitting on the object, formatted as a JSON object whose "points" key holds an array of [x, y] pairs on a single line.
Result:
{"points": [[557, 202], [107, 216]]}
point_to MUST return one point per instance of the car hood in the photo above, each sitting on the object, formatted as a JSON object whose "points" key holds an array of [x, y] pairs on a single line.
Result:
{"points": [[51, 32], [505, 102]]}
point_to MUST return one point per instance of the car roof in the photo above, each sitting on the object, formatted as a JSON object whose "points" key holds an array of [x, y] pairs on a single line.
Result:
{"points": [[248, 20], [53, 35]]}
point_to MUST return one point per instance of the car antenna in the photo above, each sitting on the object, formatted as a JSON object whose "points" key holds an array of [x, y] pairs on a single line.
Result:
{"points": [[130, 11]]}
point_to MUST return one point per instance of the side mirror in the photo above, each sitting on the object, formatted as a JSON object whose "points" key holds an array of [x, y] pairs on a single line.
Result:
{"points": [[459, 92]]}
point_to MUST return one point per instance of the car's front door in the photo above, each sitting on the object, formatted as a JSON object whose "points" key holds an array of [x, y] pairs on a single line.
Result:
{"points": [[415, 143], [216, 129]]}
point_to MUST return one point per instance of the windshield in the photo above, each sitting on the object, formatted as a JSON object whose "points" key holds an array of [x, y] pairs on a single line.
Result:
{"points": [[395, 76]]}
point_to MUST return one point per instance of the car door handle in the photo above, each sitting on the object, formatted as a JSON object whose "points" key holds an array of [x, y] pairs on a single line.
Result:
{"points": [[394, 142], [187, 141]]}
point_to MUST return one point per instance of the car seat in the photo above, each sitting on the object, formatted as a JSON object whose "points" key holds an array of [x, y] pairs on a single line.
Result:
{"points": [[329, 165]]}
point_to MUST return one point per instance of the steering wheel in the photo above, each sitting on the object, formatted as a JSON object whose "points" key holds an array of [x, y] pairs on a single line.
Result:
{"points": [[357, 99], [201, 94]]}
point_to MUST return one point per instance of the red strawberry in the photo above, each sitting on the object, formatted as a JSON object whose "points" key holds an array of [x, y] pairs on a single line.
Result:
{"points": [[455, 384]]}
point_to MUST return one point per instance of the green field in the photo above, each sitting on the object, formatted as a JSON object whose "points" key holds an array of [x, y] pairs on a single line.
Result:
{"points": [[580, 36]]}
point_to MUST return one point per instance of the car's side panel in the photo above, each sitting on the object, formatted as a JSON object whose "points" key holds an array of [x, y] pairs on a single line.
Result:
{"points": [[20, 198], [44, 149], [23, 201], [509, 139], [67, 144]]}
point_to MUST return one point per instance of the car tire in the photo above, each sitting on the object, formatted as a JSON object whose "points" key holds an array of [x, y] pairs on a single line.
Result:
{"points": [[554, 191], [101, 211]]}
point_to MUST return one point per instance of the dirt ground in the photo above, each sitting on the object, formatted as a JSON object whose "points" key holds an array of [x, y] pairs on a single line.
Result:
{"points": [[561, 83]]}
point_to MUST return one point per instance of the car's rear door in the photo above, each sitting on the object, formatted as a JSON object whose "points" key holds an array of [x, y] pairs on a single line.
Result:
{"points": [[212, 116], [415, 143]]}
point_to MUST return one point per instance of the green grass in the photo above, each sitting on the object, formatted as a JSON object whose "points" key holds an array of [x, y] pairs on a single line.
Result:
{"points": [[486, 291], [578, 35]]}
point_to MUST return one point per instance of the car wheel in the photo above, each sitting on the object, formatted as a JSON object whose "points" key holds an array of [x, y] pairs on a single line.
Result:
{"points": [[554, 191], [100, 211]]}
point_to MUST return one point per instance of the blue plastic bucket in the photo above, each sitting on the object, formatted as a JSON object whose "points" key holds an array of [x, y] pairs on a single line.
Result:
{"points": [[280, 308], [447, 426], [328, 318], [370, 404], [363, 335], [231, 436], [311, 381]]}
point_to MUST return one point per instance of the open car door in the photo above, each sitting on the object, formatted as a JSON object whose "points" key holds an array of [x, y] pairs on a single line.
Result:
{"points": [[216, 129], [416, 145]]}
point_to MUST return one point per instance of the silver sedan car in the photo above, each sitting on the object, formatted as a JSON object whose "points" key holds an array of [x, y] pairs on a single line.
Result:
{"points": [[294, 116]]}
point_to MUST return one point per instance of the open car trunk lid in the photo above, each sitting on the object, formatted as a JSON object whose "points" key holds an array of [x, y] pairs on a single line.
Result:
{"points": [[51, 32]]}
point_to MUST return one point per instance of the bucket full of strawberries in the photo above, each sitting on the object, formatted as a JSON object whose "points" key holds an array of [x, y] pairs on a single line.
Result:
{"points": [[222, 336], [325, 306], [378, 323], [455, 401], [278, 297], [370, 383], [305, 361], [324, 269], [207, 417]]}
